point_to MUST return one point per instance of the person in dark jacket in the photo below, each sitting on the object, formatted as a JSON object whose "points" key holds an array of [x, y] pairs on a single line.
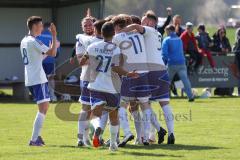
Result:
{"points": [[221, 43], [222, 46], [204, 44]]}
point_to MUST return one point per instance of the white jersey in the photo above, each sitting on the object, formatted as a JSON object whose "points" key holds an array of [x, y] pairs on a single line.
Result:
{"points": [[32, 51], [132, 45], [102, 56], [83, 41], [153, 44]]}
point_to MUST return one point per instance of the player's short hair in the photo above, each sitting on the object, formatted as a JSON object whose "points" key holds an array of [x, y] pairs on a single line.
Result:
{"points": [[98, 25], [151, 15], [109, 18], [170, 28], [127, 18], [136, 19], [119, 21], [108, 30], [33, 20]]}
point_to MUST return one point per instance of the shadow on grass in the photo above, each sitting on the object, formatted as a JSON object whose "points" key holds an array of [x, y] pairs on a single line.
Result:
{"points": [[174, 147], [76, 147], [139, 154]]}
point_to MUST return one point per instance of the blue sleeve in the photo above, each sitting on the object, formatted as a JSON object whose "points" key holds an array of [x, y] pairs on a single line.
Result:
{"points": [[165, 50]]}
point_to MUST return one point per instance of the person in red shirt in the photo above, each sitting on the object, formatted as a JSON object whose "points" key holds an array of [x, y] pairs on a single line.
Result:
{"points": [[190, 46]]}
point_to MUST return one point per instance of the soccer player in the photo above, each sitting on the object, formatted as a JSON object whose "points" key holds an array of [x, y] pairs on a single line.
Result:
{"points": [[158, 75], [32, 51], [134, 90], [81, 48], [104, 58]]}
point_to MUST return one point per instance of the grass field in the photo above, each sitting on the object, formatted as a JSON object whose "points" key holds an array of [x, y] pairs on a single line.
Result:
{"points": [[207, 129]]}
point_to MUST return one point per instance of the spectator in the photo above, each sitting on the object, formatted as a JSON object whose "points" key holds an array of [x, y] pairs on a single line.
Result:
{"points": [[174, 57], [236, 50], [222, 46], [221, 43], [49, 62], [177, 22], [190, 46], [204, 44]]}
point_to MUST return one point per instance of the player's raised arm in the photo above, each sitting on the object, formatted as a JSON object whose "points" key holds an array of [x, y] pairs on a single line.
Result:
{"points": [[53, 48], [133, 27]]}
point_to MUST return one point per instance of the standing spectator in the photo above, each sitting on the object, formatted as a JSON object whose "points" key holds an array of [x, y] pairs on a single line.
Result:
{"points": [[221, 43], [177, 22], [190, 46], [236, 50], [204, 44], [49, 62], [174, 57], [222, 46]]}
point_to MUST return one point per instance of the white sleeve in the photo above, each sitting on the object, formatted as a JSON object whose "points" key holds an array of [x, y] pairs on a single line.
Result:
{"points": [[80, 49], [115, 40], [116, 57], [90, 50], [148, 30], [40, 46]]}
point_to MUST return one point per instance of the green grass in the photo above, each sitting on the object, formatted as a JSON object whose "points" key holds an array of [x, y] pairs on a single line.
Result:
{"points": [[212, 133]]}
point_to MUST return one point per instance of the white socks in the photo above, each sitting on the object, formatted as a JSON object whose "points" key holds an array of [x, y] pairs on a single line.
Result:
{"points": [[82, 125], [104, 120], [113, 133], [147, 122], [138, 123], [96, 122], [37, 126], [155, 121], [123, 119], [167, 111]]}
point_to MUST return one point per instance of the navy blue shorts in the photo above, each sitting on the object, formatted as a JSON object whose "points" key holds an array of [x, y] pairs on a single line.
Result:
{"points": [[135, 88], [159, 80], [49, 68], [111, 101], [85, 93], [40, 93]]}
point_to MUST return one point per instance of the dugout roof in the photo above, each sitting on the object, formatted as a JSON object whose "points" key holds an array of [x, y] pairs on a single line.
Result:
{"points": [[41, 3]]}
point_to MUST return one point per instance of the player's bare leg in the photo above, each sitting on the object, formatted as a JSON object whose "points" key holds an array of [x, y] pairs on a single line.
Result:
{"points": [[36, 139], [114, 127], [96, 114], [169, 119]]}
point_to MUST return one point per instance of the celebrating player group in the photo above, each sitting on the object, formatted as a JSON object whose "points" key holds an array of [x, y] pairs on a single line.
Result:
{"points": [[122, 70]]}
